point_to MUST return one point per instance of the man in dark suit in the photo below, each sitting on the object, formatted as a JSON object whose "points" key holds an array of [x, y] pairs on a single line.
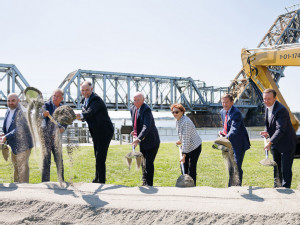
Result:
{"points": [[235, 131], [282, 137], [17, 134], [95, 113], [146, 135], [49, 133]]}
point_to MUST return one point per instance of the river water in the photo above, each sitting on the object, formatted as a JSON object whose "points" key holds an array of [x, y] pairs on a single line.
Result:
{"points": [[165, 123]]}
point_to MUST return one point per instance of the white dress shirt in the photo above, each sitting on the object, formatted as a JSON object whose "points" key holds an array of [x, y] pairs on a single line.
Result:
{"points": [[9, 118], [270, 110]]}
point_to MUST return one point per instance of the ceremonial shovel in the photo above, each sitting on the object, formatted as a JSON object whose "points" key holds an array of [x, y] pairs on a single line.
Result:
{"points": [[33, 94], [133, 154], [267, 161], [184, 180]]}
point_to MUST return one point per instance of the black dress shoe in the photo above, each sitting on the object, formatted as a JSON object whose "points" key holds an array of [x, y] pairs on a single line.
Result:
{"points": [[144, 183], [96, 181]]}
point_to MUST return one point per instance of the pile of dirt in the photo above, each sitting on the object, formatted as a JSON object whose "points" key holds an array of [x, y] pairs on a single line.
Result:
{"points": [[83, 203], [64, 115]]}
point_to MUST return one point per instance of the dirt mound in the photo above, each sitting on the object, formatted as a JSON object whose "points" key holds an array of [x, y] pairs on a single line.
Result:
{"points": [[83, 203], [64, 115]]}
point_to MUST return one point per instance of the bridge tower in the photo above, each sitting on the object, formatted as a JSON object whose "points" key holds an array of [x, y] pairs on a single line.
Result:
{"points": [[12, 81]]}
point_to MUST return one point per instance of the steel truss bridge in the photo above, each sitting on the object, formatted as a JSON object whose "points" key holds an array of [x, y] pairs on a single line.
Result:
{"points": [[160, 92], [117, 89]]}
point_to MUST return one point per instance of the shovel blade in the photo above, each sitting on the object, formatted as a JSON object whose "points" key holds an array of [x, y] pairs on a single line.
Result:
{"points": [[268, 162], [5, 151], [185, 181], [128, 161], [138, 160]]}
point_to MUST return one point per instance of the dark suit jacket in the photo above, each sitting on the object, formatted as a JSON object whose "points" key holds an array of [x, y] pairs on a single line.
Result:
{"points": [[18, 135], [96, 115], [146, 129], [281, 131], [236, 130], [48, 126]]}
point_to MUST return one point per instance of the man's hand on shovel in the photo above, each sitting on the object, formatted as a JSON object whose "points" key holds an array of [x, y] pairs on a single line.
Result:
{"points": [[267, 142], [135, 142], [2, 139], [47, 114], [268, 146]]}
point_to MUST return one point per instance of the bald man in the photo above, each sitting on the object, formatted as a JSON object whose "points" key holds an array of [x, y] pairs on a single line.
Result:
{"points": [[17, 134], [146, 135], [49, 130], [95, 113]]}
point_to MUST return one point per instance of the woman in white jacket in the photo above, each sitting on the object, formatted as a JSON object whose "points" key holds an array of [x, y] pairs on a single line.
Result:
{"points": [[189, 140]]}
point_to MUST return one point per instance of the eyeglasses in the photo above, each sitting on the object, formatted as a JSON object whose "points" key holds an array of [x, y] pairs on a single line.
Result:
{"points": [[175, 112]]}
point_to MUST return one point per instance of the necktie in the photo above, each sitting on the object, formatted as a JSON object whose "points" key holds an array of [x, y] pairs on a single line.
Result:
{"points": [[225, 124], [134, 124], [8, 121]]}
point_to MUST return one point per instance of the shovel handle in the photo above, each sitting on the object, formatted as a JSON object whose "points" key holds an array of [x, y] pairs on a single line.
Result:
{"points": [[181, 163], [53, 120], [266, 142], [133, 148], [267, 154]]}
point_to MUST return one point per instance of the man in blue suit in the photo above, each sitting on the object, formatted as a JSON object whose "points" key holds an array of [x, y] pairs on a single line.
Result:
{"points": [[283, 138], [235, 131], [17, 134], [146, 135]]}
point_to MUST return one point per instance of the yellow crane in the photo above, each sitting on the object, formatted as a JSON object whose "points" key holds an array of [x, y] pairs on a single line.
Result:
{"points": [[256, 62]]}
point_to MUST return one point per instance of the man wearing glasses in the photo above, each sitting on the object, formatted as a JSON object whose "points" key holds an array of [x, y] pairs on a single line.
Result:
{"points": [[49, 130]]}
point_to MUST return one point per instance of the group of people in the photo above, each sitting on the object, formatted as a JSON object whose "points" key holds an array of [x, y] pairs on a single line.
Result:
{"points": [[278, 128]]}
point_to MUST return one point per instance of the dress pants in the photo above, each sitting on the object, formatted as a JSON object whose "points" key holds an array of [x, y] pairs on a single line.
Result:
{"points": [[284, 162], [148, 165], [190, 165], [50, 147], [21, 166], [101, 143], [238, 158]]}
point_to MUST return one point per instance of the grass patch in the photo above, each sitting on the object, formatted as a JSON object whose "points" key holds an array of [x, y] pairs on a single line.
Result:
{"points": [[211, 170]]}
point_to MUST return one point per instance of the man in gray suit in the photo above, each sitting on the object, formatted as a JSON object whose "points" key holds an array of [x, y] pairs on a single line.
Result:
{"points": [[17, 134], [282, 137]]}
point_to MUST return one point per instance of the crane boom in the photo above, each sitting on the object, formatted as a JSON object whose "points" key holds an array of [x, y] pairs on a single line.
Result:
{"points": [[256, 62]]}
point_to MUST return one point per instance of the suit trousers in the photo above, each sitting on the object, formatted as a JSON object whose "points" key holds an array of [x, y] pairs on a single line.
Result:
{"points": [[148, 165], [101, 143], [21, 166], [50, 147], [190, 165], [238, 158], [284, 163]]}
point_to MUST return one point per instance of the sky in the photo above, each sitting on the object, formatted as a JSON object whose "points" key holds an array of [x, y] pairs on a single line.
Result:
{"points": [[46, 40]]}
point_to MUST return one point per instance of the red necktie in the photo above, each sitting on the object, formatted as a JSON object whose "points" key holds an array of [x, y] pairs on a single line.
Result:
{"points": [[225, 124], [134, 124]]}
